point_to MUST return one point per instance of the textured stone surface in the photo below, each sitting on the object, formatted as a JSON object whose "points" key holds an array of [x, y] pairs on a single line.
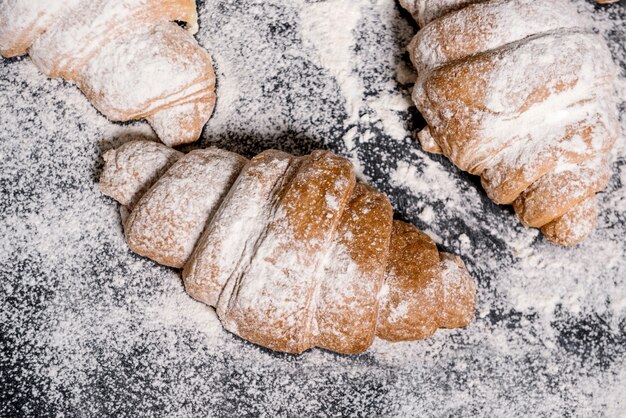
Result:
{"points": [[88, 328]]}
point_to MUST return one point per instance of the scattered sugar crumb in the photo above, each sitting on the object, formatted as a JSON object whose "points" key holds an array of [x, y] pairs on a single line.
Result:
{"points": [[89, 328]]}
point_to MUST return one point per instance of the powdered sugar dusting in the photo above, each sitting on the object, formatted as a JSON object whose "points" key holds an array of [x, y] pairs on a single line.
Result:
{"points": [[130, 58], [88, 328], [329, 27]]}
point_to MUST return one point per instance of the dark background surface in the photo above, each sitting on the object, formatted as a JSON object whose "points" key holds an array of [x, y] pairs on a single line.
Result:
{"points": [[88, 329]]}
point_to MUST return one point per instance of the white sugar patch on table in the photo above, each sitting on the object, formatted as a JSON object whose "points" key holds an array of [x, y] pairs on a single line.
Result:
{"points": [[391, 109], [90, 321], [419, 183], [329, 26]]}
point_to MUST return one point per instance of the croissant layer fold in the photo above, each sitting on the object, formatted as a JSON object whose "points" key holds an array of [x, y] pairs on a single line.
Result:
{"points": [[522, 94], [129, 57], [293, 252]]}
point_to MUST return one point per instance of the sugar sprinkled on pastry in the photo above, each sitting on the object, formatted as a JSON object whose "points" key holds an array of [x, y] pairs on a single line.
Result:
{"points": [[521, 93], [130, 57], [293, 252]]}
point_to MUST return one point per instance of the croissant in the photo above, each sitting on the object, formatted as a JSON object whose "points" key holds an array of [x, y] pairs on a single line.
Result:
{"points": [[292, 252], [521, 93], [129, 57]]}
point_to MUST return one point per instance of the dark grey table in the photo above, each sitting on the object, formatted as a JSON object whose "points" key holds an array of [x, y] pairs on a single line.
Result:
{"points": [[89, 329]]}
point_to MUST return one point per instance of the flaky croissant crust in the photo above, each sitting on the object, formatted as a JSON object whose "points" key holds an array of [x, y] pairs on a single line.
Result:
{"points": [[130, 57], [521, 93], [293, 252]]}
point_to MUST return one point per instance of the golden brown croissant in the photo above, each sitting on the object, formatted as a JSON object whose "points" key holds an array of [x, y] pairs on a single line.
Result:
{"points": [[130, 57], [425, 11], [292, 252], [521, 93]]}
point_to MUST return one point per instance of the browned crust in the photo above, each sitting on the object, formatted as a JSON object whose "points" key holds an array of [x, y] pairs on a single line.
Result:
{"points": [[164, 225], [216, 259], [294, 245], [519, 107], [310, 271], [573, 227], [412, 295], [347, 303]]}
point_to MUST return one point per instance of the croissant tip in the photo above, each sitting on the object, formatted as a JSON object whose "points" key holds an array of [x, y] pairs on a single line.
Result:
{"points": [[459, 293]]}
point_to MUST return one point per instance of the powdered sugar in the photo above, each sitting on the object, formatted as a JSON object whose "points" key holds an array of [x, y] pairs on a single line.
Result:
{"points": [[129, 57], [134, 170], [491, 25], [514, 105], [91, 329], [329, 27]]}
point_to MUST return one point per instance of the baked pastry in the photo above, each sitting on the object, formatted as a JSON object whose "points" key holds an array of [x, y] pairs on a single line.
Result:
{"points": [[425, 11], [130, 57], [292, 252], [521, 93]]}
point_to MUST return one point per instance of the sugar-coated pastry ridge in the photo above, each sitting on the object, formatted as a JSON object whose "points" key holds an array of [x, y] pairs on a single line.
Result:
{"points": [[293, 252], [129, 57], [521, 93]]}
